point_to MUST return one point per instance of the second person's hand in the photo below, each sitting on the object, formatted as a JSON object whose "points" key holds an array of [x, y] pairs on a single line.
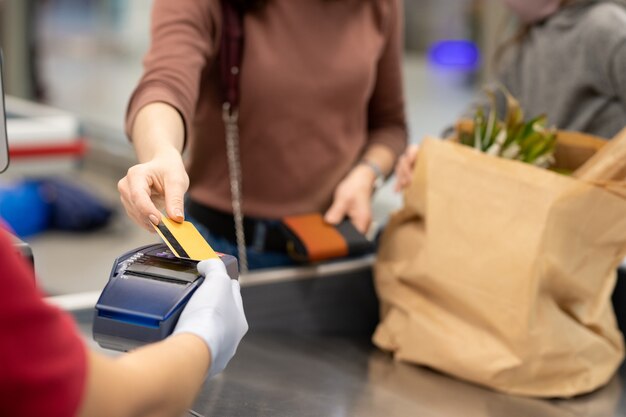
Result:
{"points": [[149, 187], [353, 199], [405, 166]]}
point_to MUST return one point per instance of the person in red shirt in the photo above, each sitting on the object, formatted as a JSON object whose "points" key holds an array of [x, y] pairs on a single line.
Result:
{"points": [[45, 368]]}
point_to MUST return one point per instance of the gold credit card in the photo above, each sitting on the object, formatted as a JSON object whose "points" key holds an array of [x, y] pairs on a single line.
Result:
{"points": [[184, 240]]}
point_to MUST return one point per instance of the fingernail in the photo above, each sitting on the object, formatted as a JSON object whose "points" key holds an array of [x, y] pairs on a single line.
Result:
{"points": [[179, 214], [154, 219]]}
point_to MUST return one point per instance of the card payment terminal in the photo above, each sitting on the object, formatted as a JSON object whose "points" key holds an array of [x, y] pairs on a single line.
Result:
{"points": [[147, 290]]}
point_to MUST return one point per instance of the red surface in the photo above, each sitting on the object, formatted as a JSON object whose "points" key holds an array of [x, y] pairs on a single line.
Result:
{"points": [[76, 149]]}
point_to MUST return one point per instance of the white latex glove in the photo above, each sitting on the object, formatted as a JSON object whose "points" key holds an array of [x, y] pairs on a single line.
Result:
{"points": [[215, 314]]}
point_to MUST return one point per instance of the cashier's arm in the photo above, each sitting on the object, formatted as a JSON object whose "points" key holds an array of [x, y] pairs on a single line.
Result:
{"points": [[158, 380]]}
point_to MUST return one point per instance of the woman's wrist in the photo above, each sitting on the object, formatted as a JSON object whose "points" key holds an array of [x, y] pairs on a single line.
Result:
{"points": [[373, 173], [166, 152], [158, 131]]}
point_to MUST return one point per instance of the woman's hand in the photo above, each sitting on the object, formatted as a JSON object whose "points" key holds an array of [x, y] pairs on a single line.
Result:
{"points": [[160, 179], [353, 199], [404, 168], [149, 187]]}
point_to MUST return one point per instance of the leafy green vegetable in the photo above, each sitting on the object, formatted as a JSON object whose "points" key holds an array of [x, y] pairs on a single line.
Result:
{"points": [[512, 138]]}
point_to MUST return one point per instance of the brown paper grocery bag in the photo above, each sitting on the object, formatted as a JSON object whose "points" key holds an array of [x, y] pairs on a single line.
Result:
{"points": [[501, 273]]}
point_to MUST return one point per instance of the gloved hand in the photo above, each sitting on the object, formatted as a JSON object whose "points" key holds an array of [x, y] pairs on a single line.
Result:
{"points": [[215, 314]]}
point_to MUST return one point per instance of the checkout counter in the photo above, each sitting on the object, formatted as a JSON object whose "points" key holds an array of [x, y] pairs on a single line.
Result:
{"points": [[308, 353]]}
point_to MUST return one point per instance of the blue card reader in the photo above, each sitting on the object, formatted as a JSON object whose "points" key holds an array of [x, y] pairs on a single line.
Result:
{"points": [[147, 290]]}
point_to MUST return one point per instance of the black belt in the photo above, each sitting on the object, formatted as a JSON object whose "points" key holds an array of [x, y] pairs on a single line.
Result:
{"points": [[222, 224]]}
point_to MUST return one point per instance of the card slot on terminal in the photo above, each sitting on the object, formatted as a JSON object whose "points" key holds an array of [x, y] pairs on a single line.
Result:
{"points": [[159, 272]]}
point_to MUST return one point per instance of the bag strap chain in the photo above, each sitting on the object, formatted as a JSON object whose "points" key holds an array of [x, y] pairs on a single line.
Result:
{"points": [[234, 171], [231, 57]]}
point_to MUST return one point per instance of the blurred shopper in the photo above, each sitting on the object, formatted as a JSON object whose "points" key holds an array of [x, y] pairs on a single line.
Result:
{"points": [[321, 116], [568, 61], [46, 370]]}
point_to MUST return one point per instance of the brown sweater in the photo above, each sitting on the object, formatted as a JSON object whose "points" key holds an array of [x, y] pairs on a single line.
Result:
{"points": [[321, 80]]}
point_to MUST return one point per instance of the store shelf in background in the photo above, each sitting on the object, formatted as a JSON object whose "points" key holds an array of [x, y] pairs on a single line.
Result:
{"points": [[42, 139]]}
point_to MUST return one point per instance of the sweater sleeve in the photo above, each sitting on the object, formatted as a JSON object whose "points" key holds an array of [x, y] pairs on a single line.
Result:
{"points": [[386, 117], [604, 37], [43, 362], [184, 36], [618, 70]]}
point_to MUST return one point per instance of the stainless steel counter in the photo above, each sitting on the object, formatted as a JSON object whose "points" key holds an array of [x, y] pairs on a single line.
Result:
{"points": [[281, 375], [308, 354], [287, 375]]}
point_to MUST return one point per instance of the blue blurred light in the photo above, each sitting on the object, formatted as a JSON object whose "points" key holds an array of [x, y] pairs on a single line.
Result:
{"points": [[460, 55]]}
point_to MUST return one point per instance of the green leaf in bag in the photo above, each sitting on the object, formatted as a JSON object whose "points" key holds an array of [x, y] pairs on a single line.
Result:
{"points": [[489, 137], [531, 142], [479, 122], [514, 112]]}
